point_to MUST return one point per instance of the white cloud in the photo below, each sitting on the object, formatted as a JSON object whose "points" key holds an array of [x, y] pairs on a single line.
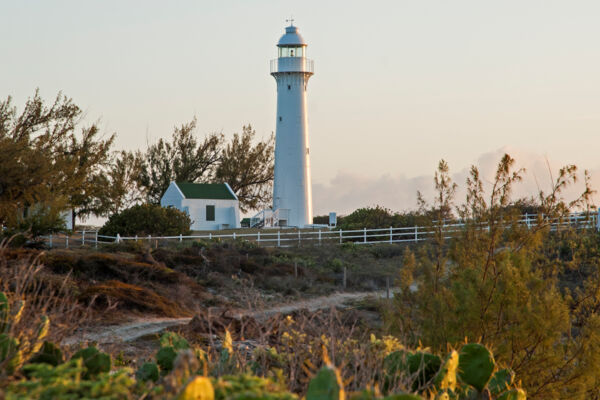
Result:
{"points": [[347, 192]]}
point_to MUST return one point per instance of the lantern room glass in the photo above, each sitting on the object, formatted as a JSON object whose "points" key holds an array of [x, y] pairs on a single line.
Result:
{"points": [[291, 51]]}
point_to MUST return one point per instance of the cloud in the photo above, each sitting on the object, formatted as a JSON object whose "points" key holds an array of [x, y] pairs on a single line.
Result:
{"points": [[346, 191]]}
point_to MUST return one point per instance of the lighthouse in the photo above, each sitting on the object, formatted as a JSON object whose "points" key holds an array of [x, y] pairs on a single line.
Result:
{"points": [[292, 195]]}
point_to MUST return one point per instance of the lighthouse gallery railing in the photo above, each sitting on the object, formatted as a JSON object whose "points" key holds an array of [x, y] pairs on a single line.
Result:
{"points": [[292, 64]]}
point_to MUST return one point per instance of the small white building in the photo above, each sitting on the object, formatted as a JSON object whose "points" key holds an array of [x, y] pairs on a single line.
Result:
{"points": [[211, 206]]}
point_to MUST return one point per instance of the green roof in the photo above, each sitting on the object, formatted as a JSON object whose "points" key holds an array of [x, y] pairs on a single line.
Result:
{"points": [[214, 191]]}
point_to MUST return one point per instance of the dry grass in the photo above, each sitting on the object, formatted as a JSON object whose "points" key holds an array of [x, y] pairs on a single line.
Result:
{"points": [[24, 278], [297, 344], [131, 296]]}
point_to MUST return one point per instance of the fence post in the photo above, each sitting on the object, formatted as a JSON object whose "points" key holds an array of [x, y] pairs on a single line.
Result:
{"points": [[278, 238], [209, 235], [391, 235], [83, 237], [258, 237], [527, 220], [299, 237], [50, 240], [340, 235], [296, 269], [364, 235], [416, 233], [387, 287], [96, 238], [67, 241], [345, 277], [150, 241], [118, 238], [136, 238], [180, 237], [233, 235], [319, 237]]}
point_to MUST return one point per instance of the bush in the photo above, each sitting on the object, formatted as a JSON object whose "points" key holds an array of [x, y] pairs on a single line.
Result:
{"points": [[378, 217], [147, 219]]}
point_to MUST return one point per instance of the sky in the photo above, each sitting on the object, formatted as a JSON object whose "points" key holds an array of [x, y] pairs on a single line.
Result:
{"points": [[398, 85]]}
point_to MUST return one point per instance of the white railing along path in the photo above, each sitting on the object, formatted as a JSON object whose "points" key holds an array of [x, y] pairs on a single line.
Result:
{"points": [[287, 238]]}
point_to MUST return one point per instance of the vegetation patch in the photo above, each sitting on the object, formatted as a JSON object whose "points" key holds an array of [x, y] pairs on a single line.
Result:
{"points": [[136, 297]]}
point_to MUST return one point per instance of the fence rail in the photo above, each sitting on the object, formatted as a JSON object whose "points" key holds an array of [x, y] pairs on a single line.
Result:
{"points": [[289, 238]]}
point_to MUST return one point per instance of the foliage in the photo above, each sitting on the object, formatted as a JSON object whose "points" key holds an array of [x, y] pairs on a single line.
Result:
{"points": [[246, 165], [67, 381], [468, 373], [244, 386], [147, 219], [16, 349], [46, 166], [183, 159], [326, 385], [148, 372], [185, 374], [48, 354], [499, 281], [94, 361], [122, 176], [200, 388], [377, 217], [248, 169]]}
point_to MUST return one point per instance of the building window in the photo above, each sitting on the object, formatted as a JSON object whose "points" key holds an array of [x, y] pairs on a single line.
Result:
{"points": [[279, 119], [210, 213], [289, 87]]}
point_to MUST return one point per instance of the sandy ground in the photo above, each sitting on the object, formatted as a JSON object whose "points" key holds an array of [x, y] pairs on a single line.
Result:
{"points": [[140, 327]]}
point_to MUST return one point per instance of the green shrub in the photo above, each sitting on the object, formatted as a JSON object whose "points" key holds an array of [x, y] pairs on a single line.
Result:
{"points": [[67, 381], [243, 386], [94, 361], [49, 354], [148, 372], [378, 217], [147, 219]]}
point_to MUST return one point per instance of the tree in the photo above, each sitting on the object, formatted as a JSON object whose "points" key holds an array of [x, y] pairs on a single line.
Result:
{"points": [[122, 178], [183, 159], [89, 185], [47, 167], [499, 283], [246, 165], [248, 169]]}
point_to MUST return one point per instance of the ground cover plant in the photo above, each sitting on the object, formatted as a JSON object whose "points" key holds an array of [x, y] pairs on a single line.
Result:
{"points": [[183, 371]]}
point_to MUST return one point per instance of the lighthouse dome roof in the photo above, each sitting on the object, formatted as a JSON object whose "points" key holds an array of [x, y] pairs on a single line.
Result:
{"points": [[291, 37]]}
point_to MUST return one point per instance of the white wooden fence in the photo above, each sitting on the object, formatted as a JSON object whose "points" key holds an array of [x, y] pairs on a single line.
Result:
{"points": [[288, 237]]}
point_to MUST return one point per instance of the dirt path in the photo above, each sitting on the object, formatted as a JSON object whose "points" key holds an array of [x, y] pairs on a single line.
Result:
{"points": [[145, 326]]}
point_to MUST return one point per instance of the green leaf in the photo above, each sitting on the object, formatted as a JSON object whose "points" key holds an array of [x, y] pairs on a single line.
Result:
{"points": [[325, 385], [514, 394], [165, 358], [94, 361], [501, 381], [174, 340], [148, 372], [48, 354], [476, 365]]}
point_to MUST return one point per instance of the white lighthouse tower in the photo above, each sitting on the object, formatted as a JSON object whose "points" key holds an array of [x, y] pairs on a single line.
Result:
{"points": [[292, 195]]}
